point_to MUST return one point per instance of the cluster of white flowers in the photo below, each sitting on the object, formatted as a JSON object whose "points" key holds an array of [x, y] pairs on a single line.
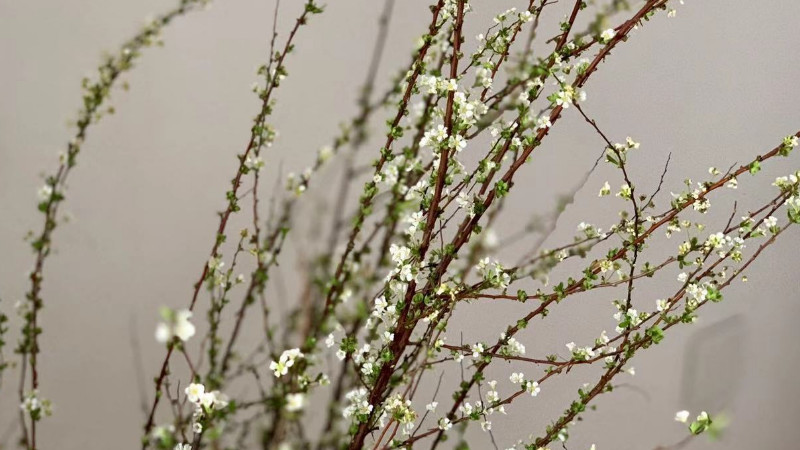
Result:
{"points": [[287, 359], [205, 403], [217, 276], [682, 416], [697, 293], [724, 244], [605, 190], [434, 137], [567, 95], [700, 424], [602, 347], [468, 112], [625, 192], [396, 408], [715, 241], [607, 35], [468, 409], [492, 396], [45, 193], [466, 202], [786, 183], [401, 256], [254, 163], [433, 85], [36, 406], [591, 231], [297, 184], [512, 348], [502, 17], [477, 350], [295, 401], [700, 202], [358, 403], [543, 122], [494, 273], [771, 223], [580, 353], [175, 324], [366, 359], [531, 387], [163, 433], [626, 318], [384, 311], [483, 75], [606, 265], [390, 175], [450, 9]]}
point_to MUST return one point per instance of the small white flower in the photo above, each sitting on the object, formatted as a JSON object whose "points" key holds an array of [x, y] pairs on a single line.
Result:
{"points": [[543, 122], [457, 142], [194, 392], [329, 341], [770, 222], [183, 447], [625, 191], [176, 324], [254, 163], [215, 264], [325, 153], [605, 190], [295, 402], [432, 406], [533, 388], [517, 377], [207, 400], [45, 192], [286, 360], [607, 35], [682, 416]]}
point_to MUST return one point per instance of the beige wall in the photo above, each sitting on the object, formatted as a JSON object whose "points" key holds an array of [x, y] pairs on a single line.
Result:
{"points": [[714, 86]]}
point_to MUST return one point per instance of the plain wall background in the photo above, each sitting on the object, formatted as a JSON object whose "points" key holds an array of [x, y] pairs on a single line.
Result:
{"points": [[714, 86]]}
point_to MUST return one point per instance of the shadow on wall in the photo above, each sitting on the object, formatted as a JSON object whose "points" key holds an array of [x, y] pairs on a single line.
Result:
{"points": [[713, 366]]}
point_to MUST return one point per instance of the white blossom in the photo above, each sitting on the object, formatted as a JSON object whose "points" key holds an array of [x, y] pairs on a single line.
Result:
{"points": [[286, 360], [295, 402], [175, 324], [607, 35], [532, 387]]}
